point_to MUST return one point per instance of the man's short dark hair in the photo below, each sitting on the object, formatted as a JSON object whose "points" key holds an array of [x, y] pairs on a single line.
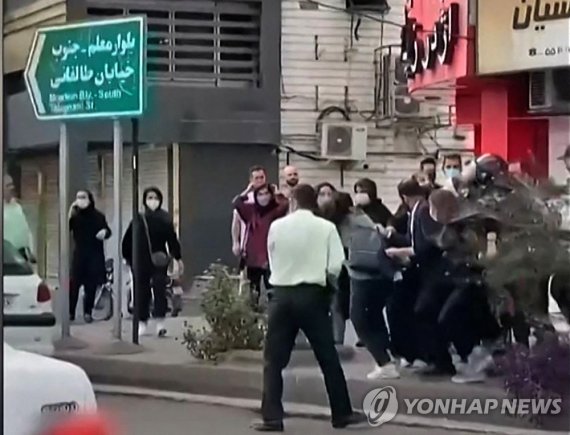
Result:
{"points": [[305, 196], [452, 157], [256, 168], [427, 161], [446, 204], [410, 187]]}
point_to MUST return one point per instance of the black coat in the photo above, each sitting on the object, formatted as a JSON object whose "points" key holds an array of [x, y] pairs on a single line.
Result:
{"points": [[162, 234], [88, 261]]}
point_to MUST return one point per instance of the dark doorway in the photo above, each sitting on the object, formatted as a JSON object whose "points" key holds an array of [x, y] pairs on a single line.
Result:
{"points": [[210, 176]]}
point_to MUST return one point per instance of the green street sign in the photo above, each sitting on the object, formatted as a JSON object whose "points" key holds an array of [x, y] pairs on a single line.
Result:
{"points": [[93, 69]]}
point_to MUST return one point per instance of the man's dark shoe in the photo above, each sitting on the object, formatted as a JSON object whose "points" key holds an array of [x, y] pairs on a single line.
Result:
{"points": [[433, 371], [88, 318], [267, 426], [350, 420]]}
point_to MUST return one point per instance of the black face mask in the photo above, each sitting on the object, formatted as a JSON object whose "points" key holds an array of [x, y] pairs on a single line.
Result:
{"points": [[431, 176]]}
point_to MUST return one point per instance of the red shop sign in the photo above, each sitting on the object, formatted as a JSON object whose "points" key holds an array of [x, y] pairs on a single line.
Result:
{"points": [[438, 47]]}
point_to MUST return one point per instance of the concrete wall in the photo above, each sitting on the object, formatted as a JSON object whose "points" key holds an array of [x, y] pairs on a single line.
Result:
{"points": [[324, 63]]}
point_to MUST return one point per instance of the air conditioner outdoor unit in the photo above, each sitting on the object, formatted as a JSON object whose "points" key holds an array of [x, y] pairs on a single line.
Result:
{"points": [[344, 141], [549, 91], [396, 100]]}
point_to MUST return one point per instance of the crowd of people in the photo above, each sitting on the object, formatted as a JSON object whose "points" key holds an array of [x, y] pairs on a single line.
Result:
{"points": [[405, 283]]}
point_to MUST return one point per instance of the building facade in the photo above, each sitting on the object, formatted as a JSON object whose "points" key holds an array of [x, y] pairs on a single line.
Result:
{"points": [[213, 111], [331, 58], [505, 73], [231, 84]]}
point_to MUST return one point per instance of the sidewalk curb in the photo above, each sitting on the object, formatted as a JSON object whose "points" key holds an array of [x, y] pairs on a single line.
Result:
{"points": [[302, 386], [294, 410]]}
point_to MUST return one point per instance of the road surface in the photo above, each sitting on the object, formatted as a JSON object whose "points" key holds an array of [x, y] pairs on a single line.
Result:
{"points": [[152, 417]]}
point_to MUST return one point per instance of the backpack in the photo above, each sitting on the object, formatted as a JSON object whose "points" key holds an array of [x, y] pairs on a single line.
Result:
{"points": [[366, 252]]}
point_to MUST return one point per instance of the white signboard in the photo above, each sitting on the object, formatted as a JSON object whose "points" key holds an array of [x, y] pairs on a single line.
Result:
{"points": [[522, 35]]}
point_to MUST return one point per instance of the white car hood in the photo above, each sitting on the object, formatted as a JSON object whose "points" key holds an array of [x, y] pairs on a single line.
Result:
{"points": [[33, 381]]}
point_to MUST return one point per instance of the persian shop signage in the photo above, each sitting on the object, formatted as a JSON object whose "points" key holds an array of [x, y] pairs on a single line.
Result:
{"points": [[533, 34], [424, 49], [537, 12]]}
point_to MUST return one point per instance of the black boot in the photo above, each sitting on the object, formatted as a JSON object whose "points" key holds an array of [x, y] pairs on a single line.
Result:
{"points": [[267, 426]]}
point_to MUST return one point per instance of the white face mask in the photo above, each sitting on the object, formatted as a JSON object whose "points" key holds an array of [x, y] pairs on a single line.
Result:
{"points": [[361, 199], [152, 204], [82, 203], [264, 200], [452, 173]]}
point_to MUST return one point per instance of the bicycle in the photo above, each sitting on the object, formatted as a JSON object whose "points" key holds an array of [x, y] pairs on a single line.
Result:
{"points": [[103, 306]]}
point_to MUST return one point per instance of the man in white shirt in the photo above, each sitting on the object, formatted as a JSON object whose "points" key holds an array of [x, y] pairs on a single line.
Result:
{"points": [[305, 252]]}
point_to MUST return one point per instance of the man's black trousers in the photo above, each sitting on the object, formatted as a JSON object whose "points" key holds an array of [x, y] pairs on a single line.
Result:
{"points": [[305, 308]]}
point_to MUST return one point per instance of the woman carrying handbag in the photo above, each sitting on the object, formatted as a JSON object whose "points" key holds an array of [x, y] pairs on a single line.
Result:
{"points": [[159, 245]]}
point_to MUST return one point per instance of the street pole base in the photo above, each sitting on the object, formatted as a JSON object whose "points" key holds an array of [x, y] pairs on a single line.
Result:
{"points": [[118, 348], [70, 343]]}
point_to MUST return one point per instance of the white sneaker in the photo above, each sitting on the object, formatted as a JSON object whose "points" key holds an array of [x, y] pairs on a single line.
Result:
{"points": [[455, 359], [143, 329], [160, 328], [419, 364], [480, 359], [469, 376], [461, 367], [404, 363], [387, 371]]}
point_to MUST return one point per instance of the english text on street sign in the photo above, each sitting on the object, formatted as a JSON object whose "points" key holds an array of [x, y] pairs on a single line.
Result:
{"points": [[91, 69]]}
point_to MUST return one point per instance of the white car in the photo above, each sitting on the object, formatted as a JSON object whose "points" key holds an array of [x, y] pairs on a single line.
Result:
{"points": [[26, 295], [38, 390]]}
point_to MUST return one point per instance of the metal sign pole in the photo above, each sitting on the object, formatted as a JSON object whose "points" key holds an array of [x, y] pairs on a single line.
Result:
{"points": [[2, 119], [136, 229], [64, 230], [118, 230]]}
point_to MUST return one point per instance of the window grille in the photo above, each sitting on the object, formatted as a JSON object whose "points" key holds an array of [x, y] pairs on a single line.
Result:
{"points": [[208, 43]]}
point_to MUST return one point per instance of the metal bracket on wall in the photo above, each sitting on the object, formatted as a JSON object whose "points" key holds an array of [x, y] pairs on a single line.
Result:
{"points": [[316, 45]]}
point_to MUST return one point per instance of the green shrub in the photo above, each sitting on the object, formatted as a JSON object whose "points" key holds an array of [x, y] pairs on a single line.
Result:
{"points": [[233, 323]]}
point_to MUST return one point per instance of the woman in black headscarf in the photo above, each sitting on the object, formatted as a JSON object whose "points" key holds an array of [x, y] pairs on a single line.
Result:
{"points": [[89, 230], [325, 200], [158, 245], [366, 198]]}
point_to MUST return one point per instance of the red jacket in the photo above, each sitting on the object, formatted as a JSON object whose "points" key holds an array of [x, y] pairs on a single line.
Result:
{"points": [[258, 223]]}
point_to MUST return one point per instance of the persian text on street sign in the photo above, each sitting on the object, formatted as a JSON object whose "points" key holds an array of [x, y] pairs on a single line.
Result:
{"points": [[88, 70]]}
